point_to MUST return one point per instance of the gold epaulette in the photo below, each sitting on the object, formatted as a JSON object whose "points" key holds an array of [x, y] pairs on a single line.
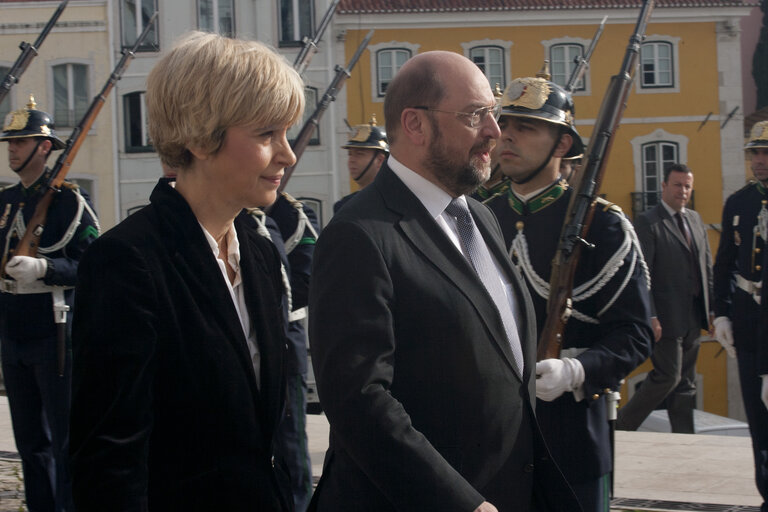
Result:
{"points": [[71, 186], [607, 205]]}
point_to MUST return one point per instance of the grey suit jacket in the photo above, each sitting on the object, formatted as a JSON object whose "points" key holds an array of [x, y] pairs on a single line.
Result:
{"points": [[672, 275], [413, 367]]}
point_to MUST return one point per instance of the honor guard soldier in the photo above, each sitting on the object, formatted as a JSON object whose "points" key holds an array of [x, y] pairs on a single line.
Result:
{"points": [[292, 226], [366, 151], [37, 383], [608, 334], [497, 184], [737, 284]]}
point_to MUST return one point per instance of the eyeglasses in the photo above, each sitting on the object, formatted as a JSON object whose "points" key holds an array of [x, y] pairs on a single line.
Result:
{"points": [[475, 118]]}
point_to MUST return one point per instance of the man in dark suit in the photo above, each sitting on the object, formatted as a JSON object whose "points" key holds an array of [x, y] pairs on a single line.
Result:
{"points": [[674, 242], [422, 333]]}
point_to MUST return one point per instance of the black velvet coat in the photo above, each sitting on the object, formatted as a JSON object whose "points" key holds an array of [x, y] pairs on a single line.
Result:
{"points": [[166, 411]]}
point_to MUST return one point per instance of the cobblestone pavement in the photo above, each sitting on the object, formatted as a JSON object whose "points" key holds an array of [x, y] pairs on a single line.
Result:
{"points": [[11, 484]]}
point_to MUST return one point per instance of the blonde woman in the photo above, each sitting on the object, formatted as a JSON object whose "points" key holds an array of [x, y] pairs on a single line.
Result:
{"points": [[179, 339]]}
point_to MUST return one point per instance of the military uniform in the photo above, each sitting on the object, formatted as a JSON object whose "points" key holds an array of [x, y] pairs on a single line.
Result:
{"points": [[488, 194], [38, 396], [292, 227], [365, 136], [609, 331], [736, 275]]}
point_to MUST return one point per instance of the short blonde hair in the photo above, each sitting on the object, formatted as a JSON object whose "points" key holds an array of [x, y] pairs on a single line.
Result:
{"points": [[207, 83]]}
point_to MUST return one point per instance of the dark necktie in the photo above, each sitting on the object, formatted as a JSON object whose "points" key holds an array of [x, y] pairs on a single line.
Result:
{"points": [[482, 262], [683, 226]]}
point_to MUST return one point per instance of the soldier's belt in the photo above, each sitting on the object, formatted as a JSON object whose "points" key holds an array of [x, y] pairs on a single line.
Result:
{"points": [[16, 288], [751, 287]]}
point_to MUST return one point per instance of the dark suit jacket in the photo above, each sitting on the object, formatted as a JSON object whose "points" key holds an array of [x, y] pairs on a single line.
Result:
{"points": [[413, 367], [166, 413], [672, 275]]}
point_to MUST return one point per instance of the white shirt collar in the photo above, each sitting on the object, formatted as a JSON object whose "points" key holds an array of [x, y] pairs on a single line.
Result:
{"points": [[233, 249], [434, 199], [671, 211]]}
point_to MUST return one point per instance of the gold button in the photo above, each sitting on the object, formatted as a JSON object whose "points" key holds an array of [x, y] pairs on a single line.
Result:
{"points": [[607, 390], [595, 396], [758, 268], [757, 250]]}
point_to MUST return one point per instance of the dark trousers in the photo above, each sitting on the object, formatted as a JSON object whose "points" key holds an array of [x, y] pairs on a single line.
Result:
{"points": [[291, 442], [673, 377], [594, 495], [757, 418], [39, 403]]}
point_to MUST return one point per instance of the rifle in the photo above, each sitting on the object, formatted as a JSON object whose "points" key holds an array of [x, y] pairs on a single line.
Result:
{"points": [[580, 211], [30, 242], [28, 52], [304, 136], [310, 45], [582, 61]]}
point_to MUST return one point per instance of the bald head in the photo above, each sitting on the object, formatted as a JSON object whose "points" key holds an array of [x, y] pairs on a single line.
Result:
{"points": [[423, 80]]}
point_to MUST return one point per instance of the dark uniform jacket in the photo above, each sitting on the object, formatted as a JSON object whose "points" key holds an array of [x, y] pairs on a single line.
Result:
{"points": [[414, 369], [30, 316], [166, 411], [577, 432], [740, 253]]}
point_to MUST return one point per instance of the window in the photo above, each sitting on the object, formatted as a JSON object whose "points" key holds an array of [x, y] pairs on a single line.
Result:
{"points": [[70, 93], [296, 21], [656, 65], [490, 60], [388, 63], [135, 16], [562, 62], [656, 157], [216, 16], [5, 105], [135, 118], [310, 97]]}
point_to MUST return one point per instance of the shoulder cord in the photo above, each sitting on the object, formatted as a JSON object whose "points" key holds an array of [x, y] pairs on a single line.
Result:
{"points": [[594, 285], [260, 218], [302, 224], [20, 226]]}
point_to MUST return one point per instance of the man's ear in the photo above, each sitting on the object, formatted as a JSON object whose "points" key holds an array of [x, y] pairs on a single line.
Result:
{"points": [[563, 145], [414, 126], [46, 147]]}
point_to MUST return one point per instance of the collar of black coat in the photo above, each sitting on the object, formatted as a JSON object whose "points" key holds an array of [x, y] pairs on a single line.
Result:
{"points": [[760, 187], [37, 185], [540, 201]]}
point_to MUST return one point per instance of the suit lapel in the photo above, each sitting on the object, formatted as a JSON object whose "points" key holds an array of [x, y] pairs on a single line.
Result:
{"points": [[428, 238], [671, 225]]}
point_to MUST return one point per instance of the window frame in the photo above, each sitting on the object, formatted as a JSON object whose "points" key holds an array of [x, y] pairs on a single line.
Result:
{"points": [[296, 22], [586, 89], [657, 136], [71, 110], [128, 122], [501, 44], [374, 70], [215, 12], [570, 63], [674, 87], [150, 44]]}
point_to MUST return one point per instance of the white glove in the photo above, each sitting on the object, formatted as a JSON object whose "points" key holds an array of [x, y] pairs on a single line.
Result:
{"points": [[26, 269], [724, 334], [764, 392], [556, 376]]}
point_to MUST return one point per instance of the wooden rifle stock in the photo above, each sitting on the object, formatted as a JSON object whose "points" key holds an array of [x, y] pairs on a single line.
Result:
{"points": [[580, 211], [28, 52], [305, 135], [29, 243], [310, 45]]}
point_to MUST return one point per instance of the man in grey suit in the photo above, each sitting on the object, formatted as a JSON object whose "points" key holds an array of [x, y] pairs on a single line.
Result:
{"points": [[422, 333], [674, 242]]}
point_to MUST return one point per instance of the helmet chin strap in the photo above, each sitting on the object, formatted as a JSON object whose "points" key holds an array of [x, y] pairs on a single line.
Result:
{"points": [[367, 167], [29, 158], [541, 167]]}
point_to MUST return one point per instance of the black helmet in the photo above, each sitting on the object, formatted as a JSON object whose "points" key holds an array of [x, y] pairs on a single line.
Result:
{"points": [[368, 136], [28, 122], [758, 137], [539, 98]]}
